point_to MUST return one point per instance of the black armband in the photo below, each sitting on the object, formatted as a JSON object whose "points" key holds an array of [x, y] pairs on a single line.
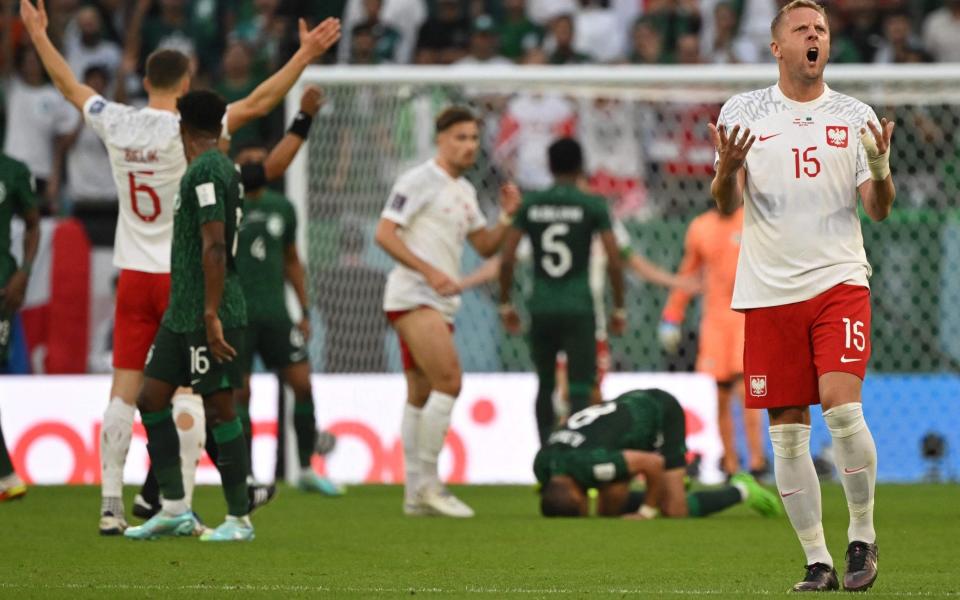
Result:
{"points": [[301, 125], [253, 177]]}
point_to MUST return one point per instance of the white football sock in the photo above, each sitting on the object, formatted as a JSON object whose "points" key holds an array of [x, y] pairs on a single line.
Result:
{"points": [[799, 488], [434, 423], [410, 433], [174, 507], [191, 428], [856, 456], [115, 434]]}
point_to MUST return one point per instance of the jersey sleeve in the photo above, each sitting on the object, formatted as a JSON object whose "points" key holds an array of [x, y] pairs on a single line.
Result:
{"points": [[405, 202], [602, 219], [99, 113], [863, 171], [592, 468], [290, 221], [210, 193], [476, 219]]}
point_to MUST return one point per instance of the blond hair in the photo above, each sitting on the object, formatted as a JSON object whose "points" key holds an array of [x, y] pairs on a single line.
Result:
{"points": [[794, 6]]}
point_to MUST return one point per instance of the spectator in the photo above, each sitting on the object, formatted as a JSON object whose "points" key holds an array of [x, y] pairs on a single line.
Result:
{"points": [[518, 34], [447, 34], [941, 32], [647, 48], [174, 26], [363, 46], [688, 50], [530, 123], [38, 121], [90, 182], [542, 12], [484, 44], [266, 32], [674, 19], [382, 42], [600, 34], [559, 45], [722, 45], [85, 46], [403, 16], [238, 81], [858, 32], [899, 44]]}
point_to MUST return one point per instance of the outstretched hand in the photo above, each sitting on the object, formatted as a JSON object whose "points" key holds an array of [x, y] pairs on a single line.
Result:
{"points": [[732, 147], [881, 136], [318, 40], [34, 17]]}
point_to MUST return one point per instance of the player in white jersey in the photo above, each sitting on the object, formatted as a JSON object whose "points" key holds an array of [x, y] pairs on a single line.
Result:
{"points": [[797, 154], [147, 158], [432, 210]]}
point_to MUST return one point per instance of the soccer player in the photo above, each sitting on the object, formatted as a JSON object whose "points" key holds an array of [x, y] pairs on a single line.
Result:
{"points": [[201, 334], [17, 198], [431, 212], [561, 222], [266, 259], [711, 249], [605, 446], [148, 161], [796, 154]]}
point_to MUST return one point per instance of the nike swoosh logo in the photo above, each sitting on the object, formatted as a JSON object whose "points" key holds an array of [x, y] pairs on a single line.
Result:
{"points": [[852, 471], [195, 382], [844, 359], [764, 138], [788, 494]]}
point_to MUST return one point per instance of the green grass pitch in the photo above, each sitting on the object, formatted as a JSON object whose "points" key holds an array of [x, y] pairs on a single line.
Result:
{"points": [[360, 546]]}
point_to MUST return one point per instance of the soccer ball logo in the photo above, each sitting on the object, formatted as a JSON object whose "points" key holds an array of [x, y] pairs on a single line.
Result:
{"points": [[837, 136], [758, 386]]}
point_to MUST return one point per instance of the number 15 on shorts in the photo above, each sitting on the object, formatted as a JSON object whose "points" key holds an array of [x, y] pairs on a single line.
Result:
{"points": [[854, 339]]}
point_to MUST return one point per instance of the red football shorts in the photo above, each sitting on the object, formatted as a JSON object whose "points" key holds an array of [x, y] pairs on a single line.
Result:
{"points": [[409, 364], [142, 299], [787, 348], [603, 360]]}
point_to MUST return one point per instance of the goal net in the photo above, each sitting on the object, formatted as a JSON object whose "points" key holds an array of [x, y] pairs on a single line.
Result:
{"points": [[644, 132]]}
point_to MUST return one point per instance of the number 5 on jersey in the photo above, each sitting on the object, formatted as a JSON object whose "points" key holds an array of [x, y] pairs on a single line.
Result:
{"points": [[557, 258]]}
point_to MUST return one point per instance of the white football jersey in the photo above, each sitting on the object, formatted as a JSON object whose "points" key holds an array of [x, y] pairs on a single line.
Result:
{"points": [[801, 231], [436, 213], [148, 161]]}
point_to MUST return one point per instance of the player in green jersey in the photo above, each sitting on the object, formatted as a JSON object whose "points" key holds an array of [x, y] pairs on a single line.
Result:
{"points": [[17, 198], [561, 222], [201, 332], [605, 446], [267, 258]]}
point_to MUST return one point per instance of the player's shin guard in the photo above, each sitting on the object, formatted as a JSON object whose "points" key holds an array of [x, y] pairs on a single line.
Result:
{"points": [[410, 434], [191, 427], [856, 457], [799, 488], [305, 426], [243, 413], [6, 466], [701, 504], [232, 463], [115, 437], [434, 423], [163, 445]]}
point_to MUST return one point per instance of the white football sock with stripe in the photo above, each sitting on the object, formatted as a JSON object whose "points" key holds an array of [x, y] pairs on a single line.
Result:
{"points": [[856, 456], [115, 434], [434, 423], [799, 488]]}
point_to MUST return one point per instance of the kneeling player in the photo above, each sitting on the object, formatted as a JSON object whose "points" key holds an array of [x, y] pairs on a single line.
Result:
{"points": [[605, 446]]}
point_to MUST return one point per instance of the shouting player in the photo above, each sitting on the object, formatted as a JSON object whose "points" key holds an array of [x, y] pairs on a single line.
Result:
{"points": [[561, 222], [605, 446], [796, 154], [147, 158], [17, 198], [201, 334], [711, 249], [431, 212], [266, 259]]}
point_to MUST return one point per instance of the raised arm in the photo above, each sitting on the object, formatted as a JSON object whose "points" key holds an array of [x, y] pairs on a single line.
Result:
{"points": [[283, 153], [35, 21], [313, 44]]}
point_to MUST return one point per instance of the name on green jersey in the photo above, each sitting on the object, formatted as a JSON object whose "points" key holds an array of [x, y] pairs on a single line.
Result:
{"points": [[544, 213], [567, 438]]}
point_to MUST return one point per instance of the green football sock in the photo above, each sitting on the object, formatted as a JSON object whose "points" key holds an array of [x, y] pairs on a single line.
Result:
{"points": [[243, 413], [305, 425], [163, 445], [233, 465], [6, 467], [701, 504]]}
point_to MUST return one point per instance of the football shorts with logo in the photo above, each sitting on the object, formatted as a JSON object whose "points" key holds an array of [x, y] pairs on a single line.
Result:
{"points": [[279, 343], [184, 359], [789, 347]]}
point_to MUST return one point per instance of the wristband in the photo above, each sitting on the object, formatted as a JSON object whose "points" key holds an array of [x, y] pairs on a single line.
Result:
{"points": [[505, 219], [648, 512], [879, 164], [301, 125]]}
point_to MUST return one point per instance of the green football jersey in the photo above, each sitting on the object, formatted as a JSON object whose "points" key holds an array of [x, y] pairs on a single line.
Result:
{"points": [[209, 191], [269, 225], [561, 223], [16, 198]]}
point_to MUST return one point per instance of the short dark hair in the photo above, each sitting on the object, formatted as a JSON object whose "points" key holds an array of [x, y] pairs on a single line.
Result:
{"points": [[202, 111], [792, 6], [454, 115], [565, 157], [97, 71], [557, 499], [165, 68]]}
